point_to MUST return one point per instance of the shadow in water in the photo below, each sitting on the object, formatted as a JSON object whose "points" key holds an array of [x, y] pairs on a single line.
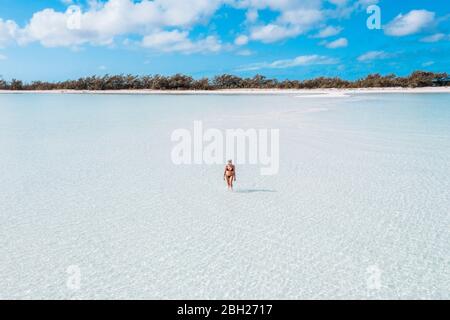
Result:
{"points": [[252, 190]]}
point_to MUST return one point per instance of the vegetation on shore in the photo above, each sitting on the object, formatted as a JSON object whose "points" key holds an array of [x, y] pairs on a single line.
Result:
{"points": [[225, 81]]}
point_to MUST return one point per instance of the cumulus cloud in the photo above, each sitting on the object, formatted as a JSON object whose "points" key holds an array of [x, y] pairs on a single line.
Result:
{"points": [[8, 32], [413, 22], [344, 9], [166, 25], [374, 55], [103, 21], [301, 17], [338, 43], [178, 41], [289, 24], [294, 17], [297, 17], [306, 60], [273, 32]]}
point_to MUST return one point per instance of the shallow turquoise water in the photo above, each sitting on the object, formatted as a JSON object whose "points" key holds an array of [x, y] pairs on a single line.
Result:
{"points": [[87, 181]]}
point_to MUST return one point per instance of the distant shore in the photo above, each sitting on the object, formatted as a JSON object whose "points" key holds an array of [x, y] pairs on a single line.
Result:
{"points": [[315, 92]]}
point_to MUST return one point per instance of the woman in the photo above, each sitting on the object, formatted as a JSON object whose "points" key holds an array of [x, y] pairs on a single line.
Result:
{"points": [[230, 174]]}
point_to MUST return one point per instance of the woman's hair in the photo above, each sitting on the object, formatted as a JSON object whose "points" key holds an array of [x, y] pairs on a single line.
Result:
{"points": [[230, 161]]}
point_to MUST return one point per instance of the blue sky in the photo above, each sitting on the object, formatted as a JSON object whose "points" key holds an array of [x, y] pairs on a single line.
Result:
{"points": [[296, 39]]}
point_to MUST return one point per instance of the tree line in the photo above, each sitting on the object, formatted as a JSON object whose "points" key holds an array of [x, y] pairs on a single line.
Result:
{"points": [[224, 81]]}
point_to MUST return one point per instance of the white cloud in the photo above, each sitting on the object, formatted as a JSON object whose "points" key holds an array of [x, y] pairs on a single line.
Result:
{"points": [[3, 57], [294, 17], [306, 60], [165, 25], [344, 9], [435, 37], [374, 55], [272, 33], [328, 32], [289, 24], [103, 21], [410, 23], [178, 41], [301, 17], [8, 31], [241, 40], [339, 43]]}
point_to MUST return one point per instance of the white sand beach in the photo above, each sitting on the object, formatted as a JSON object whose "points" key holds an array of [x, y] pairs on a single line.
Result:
{"points": [[312, 92]]}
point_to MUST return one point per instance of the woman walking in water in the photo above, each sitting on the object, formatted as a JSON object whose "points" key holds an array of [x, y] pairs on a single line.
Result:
{"points": [[230, 174]]}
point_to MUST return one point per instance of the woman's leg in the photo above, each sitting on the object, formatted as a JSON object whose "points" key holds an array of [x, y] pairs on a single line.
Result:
{"points": [[230, 182]]}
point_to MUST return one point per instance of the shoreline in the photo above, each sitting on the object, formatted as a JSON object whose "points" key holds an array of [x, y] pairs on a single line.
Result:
{"points": [[317, 92]]}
